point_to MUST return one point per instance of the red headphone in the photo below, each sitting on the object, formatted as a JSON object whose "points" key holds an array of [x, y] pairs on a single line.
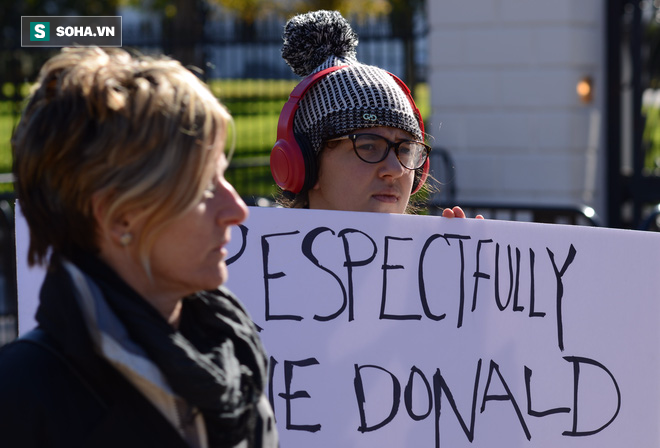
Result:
{"points": [[293, 166]]}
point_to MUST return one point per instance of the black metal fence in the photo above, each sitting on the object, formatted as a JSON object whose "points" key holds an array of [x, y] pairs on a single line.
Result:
{"points": [[8, 292]]}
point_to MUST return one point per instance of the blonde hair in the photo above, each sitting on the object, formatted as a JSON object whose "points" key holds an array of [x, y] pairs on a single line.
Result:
{"points": [[137, 131]]}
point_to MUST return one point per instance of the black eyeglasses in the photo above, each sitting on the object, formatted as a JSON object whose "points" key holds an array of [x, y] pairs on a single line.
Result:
{"points": [[374, 148]]}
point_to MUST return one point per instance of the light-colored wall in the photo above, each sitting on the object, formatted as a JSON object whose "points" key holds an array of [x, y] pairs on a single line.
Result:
{"points": [[503, 76]]}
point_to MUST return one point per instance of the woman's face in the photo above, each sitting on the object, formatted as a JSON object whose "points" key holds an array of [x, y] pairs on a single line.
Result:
{"points": [[189, 253], [347, 183]]}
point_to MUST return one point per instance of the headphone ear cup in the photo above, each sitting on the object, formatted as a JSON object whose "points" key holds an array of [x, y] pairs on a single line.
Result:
{"points": [[293, 165], [287, 165]]}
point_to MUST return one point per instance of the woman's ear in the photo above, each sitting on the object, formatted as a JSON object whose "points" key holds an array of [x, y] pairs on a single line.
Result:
{"points": [[115, 229]]}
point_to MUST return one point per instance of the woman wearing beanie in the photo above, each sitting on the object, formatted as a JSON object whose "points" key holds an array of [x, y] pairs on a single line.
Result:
{"points": [[351, 137]]}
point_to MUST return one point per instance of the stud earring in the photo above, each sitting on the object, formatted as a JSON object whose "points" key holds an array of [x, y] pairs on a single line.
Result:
{"points": [[125, 239]]}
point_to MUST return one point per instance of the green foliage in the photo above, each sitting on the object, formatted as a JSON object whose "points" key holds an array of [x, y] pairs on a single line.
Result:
{"points": [[7, 123], [651, 139], [6, 128], [242, 89], [422, 94]]}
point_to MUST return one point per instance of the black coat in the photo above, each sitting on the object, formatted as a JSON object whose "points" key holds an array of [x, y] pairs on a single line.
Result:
{"points": [[56, 390], [71, 397]]}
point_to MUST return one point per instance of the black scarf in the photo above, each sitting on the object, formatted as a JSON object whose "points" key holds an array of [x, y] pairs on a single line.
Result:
{"points": [[214, 361]]}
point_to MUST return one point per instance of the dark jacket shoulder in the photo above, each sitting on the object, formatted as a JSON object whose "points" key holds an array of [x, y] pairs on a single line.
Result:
{"points": [[47, 402]]}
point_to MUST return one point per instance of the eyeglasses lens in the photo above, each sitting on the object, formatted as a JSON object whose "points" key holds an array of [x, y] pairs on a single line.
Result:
{"points": [[374, 148]]}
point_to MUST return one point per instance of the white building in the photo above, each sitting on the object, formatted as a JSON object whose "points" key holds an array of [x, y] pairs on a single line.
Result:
{"points": [[503, 77]]}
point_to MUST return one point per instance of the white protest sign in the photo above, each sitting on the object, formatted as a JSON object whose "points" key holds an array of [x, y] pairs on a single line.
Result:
{"points": [[413, 331], [28, 280]]}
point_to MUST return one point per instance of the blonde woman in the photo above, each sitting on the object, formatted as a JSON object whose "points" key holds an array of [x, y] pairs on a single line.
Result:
{"points": [[120, 167]]}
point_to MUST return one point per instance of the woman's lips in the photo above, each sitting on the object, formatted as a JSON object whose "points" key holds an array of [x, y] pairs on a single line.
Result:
{"points": [[221, 247], [386, 197]]}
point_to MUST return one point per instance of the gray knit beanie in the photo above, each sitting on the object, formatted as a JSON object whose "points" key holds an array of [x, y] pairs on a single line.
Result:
{"points": [[355, 97]]}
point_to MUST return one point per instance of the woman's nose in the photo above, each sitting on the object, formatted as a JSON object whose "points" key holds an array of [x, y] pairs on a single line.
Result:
{"points": [[391, 165], [232, 209]]}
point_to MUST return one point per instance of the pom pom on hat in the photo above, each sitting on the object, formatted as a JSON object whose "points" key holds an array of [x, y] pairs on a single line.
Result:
{"points": [[357, 96], [310, 39]]}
